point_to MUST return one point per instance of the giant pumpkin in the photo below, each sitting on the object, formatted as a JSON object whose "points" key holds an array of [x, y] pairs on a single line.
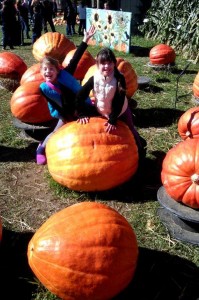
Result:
{"points": [[52, 44], [188, 123], [180, 172], [32, 74], [87, 251], [29, 105], [126, 69], [86, 158], [195, 87], [84, 64], [11, 66], [162, 54]]}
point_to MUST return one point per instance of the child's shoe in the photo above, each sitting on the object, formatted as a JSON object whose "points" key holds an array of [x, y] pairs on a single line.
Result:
{"points": [[41, 155]]}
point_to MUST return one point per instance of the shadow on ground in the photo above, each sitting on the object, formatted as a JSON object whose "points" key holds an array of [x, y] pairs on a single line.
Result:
{"points": [[159, 275]]}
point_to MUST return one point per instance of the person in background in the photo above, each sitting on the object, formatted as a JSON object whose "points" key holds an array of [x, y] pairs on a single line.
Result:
{"points": [[47, 12], [26, 18], [109, 89], [8, 19], [54, 5], [37, 24], [106, 5], [59, 89], [74, 4], [81, 10], [23, 17], [69, 13]]}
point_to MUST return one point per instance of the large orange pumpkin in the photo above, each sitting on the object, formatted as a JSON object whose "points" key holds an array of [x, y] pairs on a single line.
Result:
{"points": [[52, 44], [188, 124], [162, 54], [195, 87], [84, 64], [87, 251], [126, 69], [180, 172], [11, 66], [29, 105], [32, 74], [86, 158]]}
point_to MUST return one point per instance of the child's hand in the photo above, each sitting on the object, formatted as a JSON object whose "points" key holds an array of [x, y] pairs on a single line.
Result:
{"points": [[109, 127], [84, 120], [88, 34]]}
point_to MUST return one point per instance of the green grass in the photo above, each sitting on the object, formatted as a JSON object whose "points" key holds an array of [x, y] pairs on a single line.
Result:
{"points": [[164, 261]]}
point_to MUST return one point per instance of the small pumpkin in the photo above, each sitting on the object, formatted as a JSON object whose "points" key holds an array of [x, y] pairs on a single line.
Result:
{"points": [[195, 87], [86, 251], [162, 54], [29, 105], [126, 69], [52, 44], [86, 158], [188, 124], [180, 172], [84, 64], [11, 66]]}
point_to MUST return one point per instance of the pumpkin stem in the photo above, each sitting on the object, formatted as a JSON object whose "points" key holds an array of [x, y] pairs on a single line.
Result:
{"points": [[195, 178]]}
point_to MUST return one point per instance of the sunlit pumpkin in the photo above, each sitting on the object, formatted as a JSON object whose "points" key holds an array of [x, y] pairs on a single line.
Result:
{"points": [[29, 105], [53, 44], [86, 251], [188, 124], [84, 64], [195, 87], [180, 172], [162, 54], [86, 158]]}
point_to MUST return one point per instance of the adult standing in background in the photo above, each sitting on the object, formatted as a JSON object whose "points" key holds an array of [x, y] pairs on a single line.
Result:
{"points": [[54, 4], [81, 10], [9, 20], [69, 13], [48, 15]]}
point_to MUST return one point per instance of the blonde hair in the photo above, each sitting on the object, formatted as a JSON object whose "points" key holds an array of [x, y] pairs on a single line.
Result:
{"points": [[50, 61]]}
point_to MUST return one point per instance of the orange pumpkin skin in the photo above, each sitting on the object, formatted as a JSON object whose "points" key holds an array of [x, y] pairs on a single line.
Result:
{"points": [[162, 54], [126, 69], [86, 251], [188, 124], [195, 87], [180, 172], [11, 66], [130, 77], [84, 64], [86, 158], [53, 44], [29, 105], [32, 74]]}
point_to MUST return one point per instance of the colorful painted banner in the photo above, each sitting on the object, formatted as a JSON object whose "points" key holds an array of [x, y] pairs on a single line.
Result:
{"points": [[113, 28]]}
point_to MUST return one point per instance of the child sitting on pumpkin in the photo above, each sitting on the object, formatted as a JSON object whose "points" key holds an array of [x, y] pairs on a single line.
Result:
{"points": [[60, 88]]}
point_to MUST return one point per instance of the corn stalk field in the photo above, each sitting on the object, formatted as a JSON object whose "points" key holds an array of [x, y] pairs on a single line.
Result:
{"points": [[176, 23]]}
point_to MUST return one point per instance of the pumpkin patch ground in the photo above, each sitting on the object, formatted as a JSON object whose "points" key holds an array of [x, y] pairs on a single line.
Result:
{"points": [[166, 268]]}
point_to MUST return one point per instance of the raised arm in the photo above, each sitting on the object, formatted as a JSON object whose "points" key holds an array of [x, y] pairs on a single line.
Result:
{"points": [[80, 50]]}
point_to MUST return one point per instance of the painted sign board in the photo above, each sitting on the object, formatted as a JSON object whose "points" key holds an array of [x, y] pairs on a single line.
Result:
{"points": [[113, 28]]}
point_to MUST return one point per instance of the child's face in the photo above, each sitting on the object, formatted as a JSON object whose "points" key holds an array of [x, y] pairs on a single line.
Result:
{"points": [[49, 72], [106, 68]]}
